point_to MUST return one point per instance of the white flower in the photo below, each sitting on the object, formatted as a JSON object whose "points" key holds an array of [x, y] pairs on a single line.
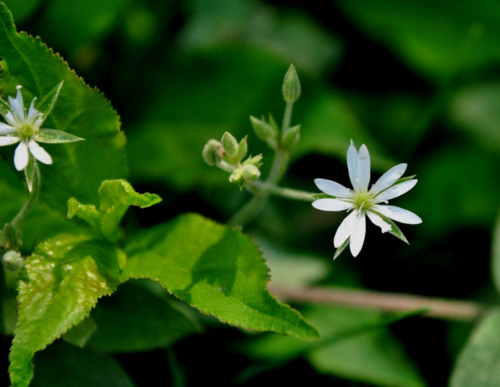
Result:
{"points": [[363, 202], [23, 127]]}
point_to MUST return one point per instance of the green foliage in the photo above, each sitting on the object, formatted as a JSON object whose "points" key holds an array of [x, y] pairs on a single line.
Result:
{"points": [[214, 269], [63, 365], [134, 320], [495, 256], [60, 284], [116, 197], [355, 346], [79, 168], [479, 363]]}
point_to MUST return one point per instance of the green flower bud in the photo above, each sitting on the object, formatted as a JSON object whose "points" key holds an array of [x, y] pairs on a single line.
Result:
{"points": [[10, 237], [13, 260], [255, 161], [229, 144], [237, 177], [290, 138], [212, 152], [291, 85], [263, 130], [242, 148], [250, 173]]}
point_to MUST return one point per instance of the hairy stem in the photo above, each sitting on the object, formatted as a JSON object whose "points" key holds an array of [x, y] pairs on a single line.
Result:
{"points": [[283, 192], [389, 302], [31, 200]]}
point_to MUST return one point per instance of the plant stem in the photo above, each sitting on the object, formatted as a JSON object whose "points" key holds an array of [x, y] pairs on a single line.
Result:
{"points": [[389, 302], [31, 200], [283, 192], [278, 169]]}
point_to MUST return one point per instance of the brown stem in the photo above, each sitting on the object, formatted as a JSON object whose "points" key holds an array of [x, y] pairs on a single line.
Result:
{"points": [[389, 302]]}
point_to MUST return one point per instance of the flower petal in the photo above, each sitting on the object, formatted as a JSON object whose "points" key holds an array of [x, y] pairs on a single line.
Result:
{"points": [[17, 104], [397, 190], [21, 156], [9, 140], [352, 162], [52, 136], [39, 153], [32, 112], [6, 129], [331, 205], [345, 229], [358, 235], [398, 214], [378, 221], [389, 178], [332, 188], [363, 168]]}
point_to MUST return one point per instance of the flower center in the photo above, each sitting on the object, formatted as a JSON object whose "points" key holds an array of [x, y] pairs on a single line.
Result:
{"points": [[363, 200], [27, 130]]}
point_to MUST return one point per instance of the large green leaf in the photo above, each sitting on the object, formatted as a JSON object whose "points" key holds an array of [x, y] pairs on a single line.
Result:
{"points": [[215, 269], [60, 284], [355, 346], [479, 363], [134, 319], [79, 168], [63, 365], [434, 36]]}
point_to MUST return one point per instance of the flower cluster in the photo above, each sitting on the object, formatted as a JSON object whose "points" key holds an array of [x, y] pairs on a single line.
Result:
{"points": [[364, 202], [23, 126]]}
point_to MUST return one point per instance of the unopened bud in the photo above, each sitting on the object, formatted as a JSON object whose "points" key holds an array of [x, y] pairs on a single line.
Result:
{"points": [[242, 148], [13, 260], [229, 144], [212, 152], [255, 161], [291, 85], [263, 130], [237, 177], [250, 173], [290, 138]]}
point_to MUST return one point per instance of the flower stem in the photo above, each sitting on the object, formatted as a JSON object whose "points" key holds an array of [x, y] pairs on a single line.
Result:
{"points": [[31, 200], [438, 308], [278, 169], [283, 192]]}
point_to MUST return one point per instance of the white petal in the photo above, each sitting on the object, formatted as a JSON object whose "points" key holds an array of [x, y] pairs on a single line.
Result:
{"points": [[389, 178], [6, 129], [358, 235], [10, 118], [39, 153], [352, 162], [363, 168], [398, 214], [9, 140], [378, 221], [395, 191], [332, 188], [331, 205], [17, 104], [345, 229], [32, 112], [21, 156]]}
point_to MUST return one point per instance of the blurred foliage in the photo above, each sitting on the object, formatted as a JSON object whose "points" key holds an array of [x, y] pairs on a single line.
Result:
{"points": [[377, 72]]}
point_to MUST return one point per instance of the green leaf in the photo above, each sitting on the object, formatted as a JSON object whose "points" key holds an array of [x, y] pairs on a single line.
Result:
{"points": [[63, 365], [81, 334], [22, 9], [134, 320], [395, 230], [61, 283], [479, 363], [116, 197], [495, 257], [79, 168], [356, 345], [215, 269], [341, 248]]}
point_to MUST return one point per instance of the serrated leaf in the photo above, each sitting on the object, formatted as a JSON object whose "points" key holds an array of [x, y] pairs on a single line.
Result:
{"points": [[134, 320], [395, 230], [78, 168], [479, 363], [60, 284], [215, 269], [116, 197], [63, 365], [86, 212]]}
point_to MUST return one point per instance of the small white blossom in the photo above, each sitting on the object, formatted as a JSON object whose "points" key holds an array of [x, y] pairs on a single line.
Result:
{"points": [[23, 126], [363, 202]]}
